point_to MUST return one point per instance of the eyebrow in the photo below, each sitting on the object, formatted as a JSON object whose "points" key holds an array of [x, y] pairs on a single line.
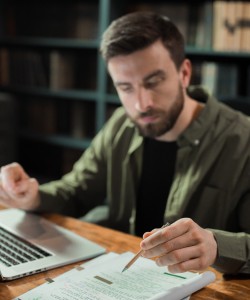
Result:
{"points": [[146, 78], [154, 74], [118, 83]]}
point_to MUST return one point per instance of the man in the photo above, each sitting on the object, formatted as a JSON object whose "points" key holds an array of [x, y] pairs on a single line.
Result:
{"points": [[162, 157]]}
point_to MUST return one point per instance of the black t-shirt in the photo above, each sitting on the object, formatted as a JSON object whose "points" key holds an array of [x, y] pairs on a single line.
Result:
{"points": [[156, 179]]}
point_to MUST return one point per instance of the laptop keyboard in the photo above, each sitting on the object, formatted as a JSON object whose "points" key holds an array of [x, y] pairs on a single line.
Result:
{"points": [[14, 250]]}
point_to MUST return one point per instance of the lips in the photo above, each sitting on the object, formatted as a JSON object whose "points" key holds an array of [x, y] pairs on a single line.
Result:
{"points": [[148, 119]]}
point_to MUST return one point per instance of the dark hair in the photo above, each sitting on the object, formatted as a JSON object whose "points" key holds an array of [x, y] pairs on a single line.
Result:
{"points": [[138, 30]]}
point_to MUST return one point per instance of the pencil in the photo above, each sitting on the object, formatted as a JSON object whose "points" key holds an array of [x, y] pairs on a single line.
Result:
{"points": [[138, 254]]}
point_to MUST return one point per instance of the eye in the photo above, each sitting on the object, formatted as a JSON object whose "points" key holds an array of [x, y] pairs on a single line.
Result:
{"points": [[151, 84], [154, 82], [125, 88]]}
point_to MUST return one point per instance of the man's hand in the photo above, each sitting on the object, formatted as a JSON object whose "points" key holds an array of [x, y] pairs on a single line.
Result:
{"points": [[17, 189], [182, 246]]}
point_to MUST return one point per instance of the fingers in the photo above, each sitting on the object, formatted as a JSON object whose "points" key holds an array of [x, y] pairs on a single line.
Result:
{"points": [[17, 189], [157, 237], [22, 186], [181, 246], [184, 259], [146, 234], [188, 265], [177, 256], [171, 243], [4, 197], [12, 176], [30, 198]]}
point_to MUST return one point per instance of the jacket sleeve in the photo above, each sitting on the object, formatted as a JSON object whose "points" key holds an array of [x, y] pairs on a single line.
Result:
{"points": [[85, 181], [234, 248], [233, 252], [85, 186]]}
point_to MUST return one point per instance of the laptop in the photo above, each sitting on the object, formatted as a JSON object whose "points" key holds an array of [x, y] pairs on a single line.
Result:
{"points": [[30, 244]]}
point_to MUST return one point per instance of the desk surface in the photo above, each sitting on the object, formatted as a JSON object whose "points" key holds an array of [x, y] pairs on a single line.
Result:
{"points": [[231, 288]]}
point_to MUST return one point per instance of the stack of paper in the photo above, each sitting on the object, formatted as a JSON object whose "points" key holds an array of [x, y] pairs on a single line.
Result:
{"points": [[102, 279]]}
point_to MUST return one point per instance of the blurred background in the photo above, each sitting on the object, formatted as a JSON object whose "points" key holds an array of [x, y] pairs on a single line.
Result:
{"points": [[55, 93]]}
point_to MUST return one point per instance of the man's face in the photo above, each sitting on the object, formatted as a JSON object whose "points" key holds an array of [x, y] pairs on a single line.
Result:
{"points": [[150, 88]]}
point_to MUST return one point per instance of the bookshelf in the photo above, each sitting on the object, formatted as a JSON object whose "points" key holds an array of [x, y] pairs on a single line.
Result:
{"points": [[50, 65]]}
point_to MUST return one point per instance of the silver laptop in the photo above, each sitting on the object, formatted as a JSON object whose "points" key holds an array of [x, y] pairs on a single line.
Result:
{"points": [[30, 244]]}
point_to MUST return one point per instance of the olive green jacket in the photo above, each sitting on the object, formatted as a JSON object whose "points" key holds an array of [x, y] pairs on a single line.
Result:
{"points": [[211, 183]]}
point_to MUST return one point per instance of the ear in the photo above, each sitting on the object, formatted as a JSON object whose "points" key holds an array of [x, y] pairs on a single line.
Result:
{"points": [[185, 73]]}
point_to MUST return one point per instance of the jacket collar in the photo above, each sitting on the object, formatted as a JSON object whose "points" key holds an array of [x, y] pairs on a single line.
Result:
{"points": [[197, 129]]}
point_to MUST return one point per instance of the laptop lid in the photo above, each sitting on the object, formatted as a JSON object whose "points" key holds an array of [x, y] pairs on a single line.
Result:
{"points": [[48, 245]]}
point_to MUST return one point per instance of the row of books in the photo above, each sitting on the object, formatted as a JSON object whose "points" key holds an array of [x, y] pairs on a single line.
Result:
{"points": [[62, 19], [44, 116], [231, 25], [220, 79], [59, 71], [219, 25], [55, 69]]}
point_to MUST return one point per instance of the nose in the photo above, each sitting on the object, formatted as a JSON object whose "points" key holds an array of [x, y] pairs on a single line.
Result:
{"points": [[144, 100]]}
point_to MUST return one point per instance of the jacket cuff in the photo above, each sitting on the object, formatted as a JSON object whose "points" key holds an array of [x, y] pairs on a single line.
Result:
{"points": [[232, 256]]}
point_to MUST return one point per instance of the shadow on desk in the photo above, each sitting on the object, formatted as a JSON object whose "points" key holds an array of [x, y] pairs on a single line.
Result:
{"points": [[237, 277], [5, 293]]}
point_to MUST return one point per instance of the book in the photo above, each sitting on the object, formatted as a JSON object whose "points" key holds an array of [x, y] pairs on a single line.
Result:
{"points": [[84, 23], [221, 80], [245, 35], [102, 278], [193, 23], [78, 119], [231, 25], [27, 68], [219, 33], [81, 119], [62, 70], [239, 26], [227, 83], [204, 34], [209, 76]]}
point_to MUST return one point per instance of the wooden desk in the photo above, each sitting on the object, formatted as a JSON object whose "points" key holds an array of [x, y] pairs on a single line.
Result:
{"points": [[233, 288]]}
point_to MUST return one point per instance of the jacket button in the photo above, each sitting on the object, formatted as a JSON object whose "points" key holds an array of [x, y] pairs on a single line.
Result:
{"points": [[196, 142]]}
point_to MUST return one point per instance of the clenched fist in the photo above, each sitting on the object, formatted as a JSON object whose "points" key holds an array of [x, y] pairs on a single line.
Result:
{"points": [[17, 189]]}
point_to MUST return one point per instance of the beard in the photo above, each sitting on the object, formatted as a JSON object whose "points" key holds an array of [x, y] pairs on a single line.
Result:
{"points": [[166, 121]]}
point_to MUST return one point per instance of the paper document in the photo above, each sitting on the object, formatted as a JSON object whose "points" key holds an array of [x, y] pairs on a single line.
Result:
{"points": [[102, 279]]}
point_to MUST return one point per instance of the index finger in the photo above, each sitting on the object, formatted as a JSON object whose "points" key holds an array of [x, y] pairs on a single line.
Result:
{"points": [[165, 234]]}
